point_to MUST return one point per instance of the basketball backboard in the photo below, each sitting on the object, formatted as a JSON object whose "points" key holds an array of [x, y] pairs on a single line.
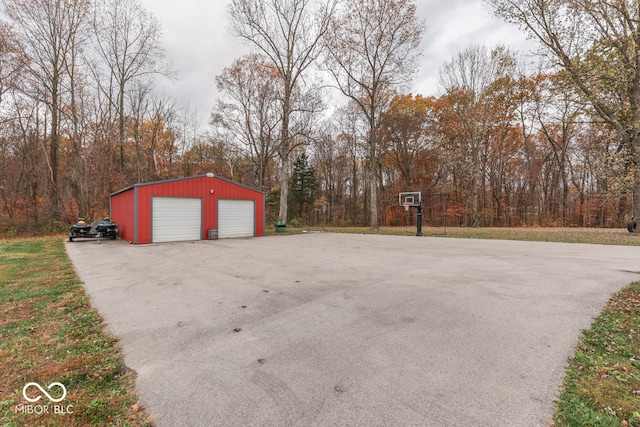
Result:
{"points": [[410, 198]]}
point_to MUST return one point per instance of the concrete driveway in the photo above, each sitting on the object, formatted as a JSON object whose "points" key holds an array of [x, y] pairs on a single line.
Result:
{"points": [[336, 329]]}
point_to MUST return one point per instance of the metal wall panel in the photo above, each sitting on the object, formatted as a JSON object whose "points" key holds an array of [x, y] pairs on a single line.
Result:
{"points": [[122, 213], [208, 188]]}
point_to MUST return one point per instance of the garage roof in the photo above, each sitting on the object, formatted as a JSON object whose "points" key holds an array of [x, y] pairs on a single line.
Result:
{"points": [[210, 175]]}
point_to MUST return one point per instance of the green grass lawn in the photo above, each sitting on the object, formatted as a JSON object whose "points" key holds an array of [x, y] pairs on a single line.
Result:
{"points": [[603, 236], [49, 333], [602, 382]]}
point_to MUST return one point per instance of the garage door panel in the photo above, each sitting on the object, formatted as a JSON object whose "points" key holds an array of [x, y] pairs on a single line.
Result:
{"points": [[236, 218], [176, 219]]}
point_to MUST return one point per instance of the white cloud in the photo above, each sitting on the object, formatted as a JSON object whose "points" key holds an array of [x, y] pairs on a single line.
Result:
{"points": [[455, 25], [197, 43]]}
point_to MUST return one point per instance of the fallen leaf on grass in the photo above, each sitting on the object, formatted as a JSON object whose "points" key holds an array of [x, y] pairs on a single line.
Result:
{"points": [[136, 406]]}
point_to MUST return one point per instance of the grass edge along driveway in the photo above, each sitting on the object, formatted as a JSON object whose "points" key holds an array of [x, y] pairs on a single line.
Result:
{"points": [[50, 334], [602, 381]]}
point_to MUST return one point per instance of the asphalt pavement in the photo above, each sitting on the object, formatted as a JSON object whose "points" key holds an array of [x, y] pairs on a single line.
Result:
{"points": [[362, 330]]}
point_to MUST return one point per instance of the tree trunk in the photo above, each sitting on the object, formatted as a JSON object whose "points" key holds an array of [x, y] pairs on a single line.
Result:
{"points": [[284, 155], [475, 195], [284, 189], [636, 178], [373, 164], [78, 170], [565, 195], [53, 150], [121, 129], [374, 199]]}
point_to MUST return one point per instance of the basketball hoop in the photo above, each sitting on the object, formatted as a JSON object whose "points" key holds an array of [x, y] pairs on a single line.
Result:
{"points": [[412, 198]]}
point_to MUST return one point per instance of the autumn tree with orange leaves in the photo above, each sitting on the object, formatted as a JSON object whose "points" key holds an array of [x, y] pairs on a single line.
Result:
{"points": [[373, 48], [597, 46], [407, 129], [468, 80]]}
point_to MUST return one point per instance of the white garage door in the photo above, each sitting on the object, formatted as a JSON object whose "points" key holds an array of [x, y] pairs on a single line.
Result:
{"points": [[176, 219], [236, 218]]}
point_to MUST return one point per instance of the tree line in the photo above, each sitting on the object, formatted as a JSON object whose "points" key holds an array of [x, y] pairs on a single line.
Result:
{"points": [[320, 115]]}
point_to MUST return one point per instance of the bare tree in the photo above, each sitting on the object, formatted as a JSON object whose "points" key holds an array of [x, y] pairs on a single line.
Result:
{"points": [[151, 128], [289, 33], [252, 115], [9, 61], [78, 86], [351, 139], [46, 30], [22, 177], [373, 48], [558, 113], [597, 44], [333, 163], [127, 39]]}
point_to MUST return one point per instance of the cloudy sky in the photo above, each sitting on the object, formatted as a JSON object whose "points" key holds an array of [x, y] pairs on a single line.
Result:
{"points": [[196, 41]]}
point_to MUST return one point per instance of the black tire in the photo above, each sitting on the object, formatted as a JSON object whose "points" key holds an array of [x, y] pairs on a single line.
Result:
{"points": [[70, 239], [632, 226]]}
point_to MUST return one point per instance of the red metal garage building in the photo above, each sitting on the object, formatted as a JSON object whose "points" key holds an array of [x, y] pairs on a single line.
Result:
{"points": [[194, 208]]}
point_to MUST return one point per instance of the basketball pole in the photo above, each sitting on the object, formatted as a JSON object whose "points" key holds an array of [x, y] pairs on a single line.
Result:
{"points": [[419, 219]]}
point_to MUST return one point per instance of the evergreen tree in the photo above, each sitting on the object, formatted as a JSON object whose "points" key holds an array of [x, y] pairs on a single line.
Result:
{"points": [[304, 186]]}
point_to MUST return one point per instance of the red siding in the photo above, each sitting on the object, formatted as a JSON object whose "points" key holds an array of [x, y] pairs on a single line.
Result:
{"points": [[189, 187], [122, 213]]}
